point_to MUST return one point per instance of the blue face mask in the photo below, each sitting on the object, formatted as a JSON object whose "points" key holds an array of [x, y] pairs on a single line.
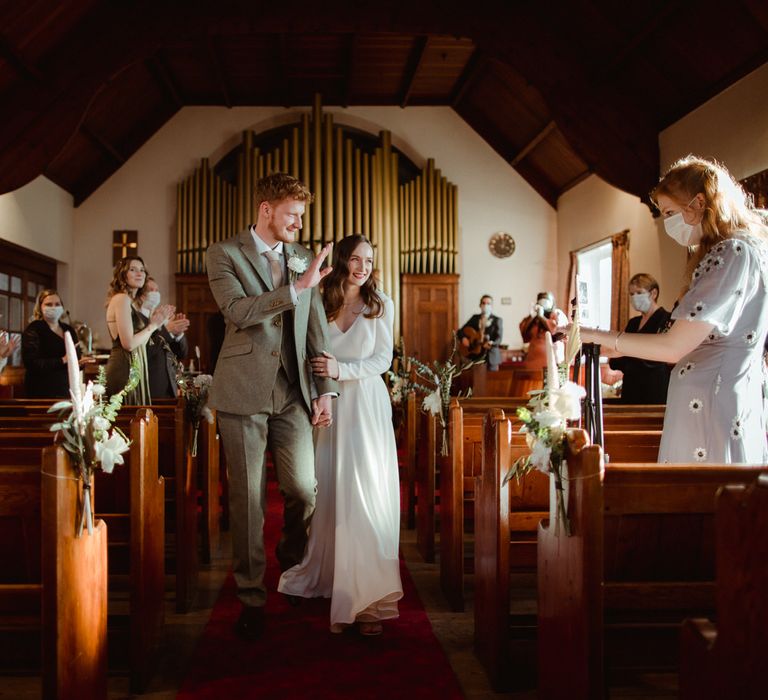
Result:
{"points": [[487, 309], [641, 301]]}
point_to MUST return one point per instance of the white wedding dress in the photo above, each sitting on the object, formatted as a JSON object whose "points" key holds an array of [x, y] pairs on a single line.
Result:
{"points": [[352, 554]]}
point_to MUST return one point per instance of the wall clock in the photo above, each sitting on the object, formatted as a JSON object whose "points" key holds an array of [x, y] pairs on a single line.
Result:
{"points": [[502, 245]]}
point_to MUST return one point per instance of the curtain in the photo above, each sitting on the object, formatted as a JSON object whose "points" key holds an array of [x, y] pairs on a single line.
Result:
{"points": [[620, 281], [570, 284]]}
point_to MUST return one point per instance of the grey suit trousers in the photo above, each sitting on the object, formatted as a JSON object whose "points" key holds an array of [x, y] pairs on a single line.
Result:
{"points": [[287, 431]]}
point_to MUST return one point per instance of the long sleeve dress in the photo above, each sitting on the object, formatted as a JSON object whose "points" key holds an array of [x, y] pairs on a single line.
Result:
{"points": [[715, 408], [352, 554], [42, 351]]}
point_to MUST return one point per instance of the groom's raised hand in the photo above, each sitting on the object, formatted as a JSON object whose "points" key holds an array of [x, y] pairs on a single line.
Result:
{"points": [[313, 275]]}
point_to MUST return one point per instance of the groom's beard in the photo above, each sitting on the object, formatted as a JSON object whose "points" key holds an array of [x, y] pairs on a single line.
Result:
{"points": [[283, 234]]}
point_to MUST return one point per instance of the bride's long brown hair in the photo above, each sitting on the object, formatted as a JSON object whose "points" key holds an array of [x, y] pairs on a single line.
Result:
{"points": [[333, 285]]}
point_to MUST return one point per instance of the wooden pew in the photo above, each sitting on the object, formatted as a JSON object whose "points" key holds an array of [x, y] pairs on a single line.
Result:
{"points": [[464, 465], [131, 503], [728, 660], [506, 519], [411, 432], [639, 561], [426, 479], [53, 585], [183, 475]]}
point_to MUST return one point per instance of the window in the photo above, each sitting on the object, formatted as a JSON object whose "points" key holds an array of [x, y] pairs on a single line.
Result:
{"points": [[23, 274], [594, 284]]}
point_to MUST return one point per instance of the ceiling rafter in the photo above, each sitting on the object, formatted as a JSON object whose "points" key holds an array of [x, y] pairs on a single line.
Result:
{"points": [[477, 61], [412, 68], [165, 80], [281, 73], [576, 180], [218, 72], [535, 141], [104, 145]]}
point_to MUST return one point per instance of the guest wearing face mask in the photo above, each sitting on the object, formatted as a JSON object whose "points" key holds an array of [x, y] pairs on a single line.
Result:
{"points": [[42, 349], [645, 382], [482, 334], [166, 345], [715, 406], [544, 318]]}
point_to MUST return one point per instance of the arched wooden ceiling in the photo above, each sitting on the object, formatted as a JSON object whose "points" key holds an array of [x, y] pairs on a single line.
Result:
{"points": [[558, 89]]}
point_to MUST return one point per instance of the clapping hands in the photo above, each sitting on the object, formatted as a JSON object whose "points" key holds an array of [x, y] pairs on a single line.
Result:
{"points": [[177, 324], [162, 314], [8, 344]]}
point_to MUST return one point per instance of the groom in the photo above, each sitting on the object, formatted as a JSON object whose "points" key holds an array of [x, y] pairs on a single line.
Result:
{"points": [[262, 388]]}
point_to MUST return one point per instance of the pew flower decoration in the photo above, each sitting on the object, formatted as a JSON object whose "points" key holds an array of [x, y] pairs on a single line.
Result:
{"points": [[439, 377], [85, 423], [195, 392], [545, 422]]}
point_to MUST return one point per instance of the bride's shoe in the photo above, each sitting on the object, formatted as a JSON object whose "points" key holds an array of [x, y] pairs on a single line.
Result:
{"points": [[338, 628], [370, 629]]}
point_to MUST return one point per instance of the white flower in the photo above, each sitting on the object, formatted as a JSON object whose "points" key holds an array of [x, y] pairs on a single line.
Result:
{"points": [[297, 264], [695, 405], [548, 418], [736, 426], [99, 390], [207, 414], [203, 381], [567, 400], [432, 402], [750, 337], [109, 451], [100, 423], [540, 456], [700, 454]]}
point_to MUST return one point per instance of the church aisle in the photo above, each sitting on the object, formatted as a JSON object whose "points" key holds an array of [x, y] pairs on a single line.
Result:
{"points": [[299, 657]]}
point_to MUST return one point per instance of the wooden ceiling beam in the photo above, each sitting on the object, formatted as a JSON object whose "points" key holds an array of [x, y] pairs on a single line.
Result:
{"points": [[218, 72], [22, 67], [575, 181], [535, 141], [472, 69], [103, 144], [412, 68], [350, 56], [165, 80], [282, 70]]}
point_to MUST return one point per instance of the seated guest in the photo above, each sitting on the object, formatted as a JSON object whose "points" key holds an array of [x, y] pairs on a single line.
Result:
{"points": [[644, 382], [482, 334], [42, 349], [166, 347], [8, 346], [544, 317]]}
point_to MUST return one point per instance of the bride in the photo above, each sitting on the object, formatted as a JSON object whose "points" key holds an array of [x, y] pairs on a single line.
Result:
{"points": [[352, 554]]}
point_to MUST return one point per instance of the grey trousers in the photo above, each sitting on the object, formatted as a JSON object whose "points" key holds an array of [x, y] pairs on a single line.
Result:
{"points": [[287, 431]]}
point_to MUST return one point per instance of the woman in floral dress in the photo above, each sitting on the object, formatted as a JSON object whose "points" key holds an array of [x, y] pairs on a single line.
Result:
{"points": [[715, 407]]}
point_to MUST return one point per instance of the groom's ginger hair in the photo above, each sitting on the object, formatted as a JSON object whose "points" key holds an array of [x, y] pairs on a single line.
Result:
{"points": [[277, 187]]}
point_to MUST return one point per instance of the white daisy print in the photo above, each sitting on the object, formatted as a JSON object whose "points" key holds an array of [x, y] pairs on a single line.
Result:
{"points": [[700, 454], [736, 428], [750, 337], [696, 405], [738, 249], [718, 261], [688, 367]]}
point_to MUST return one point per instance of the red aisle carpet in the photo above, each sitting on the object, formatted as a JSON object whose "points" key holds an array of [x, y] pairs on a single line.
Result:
{"points": [[299, 658]]}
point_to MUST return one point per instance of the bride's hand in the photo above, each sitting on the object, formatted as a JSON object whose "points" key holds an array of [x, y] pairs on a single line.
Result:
{"points": [[325, 366]]}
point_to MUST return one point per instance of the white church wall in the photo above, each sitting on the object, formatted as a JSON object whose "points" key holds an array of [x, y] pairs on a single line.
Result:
{"points": [[492, 197], [39, 216]]}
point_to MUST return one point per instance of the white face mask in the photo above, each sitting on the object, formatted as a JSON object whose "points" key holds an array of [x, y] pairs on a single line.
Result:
{"points": [[151, 300], [641, 301], [545, 303], [683, 233], [487, 309], [53, 313]]}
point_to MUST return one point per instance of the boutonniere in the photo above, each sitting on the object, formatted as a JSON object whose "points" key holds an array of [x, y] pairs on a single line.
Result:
{"points": [[296, 266]]}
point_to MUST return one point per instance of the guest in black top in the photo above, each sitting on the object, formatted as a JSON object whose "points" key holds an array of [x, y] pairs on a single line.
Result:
{"points": [[42, 349], [644, 382], [166, 346], [482, 334]]}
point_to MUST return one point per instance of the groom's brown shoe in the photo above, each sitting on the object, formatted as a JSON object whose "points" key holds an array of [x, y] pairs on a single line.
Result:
{"points": [[250, 624]]}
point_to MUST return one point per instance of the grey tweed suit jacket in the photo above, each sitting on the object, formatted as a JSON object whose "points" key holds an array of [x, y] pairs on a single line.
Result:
{"points": [[241, 282]]}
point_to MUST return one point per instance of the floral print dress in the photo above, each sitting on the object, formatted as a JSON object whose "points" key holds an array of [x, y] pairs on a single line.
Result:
{"points": [[715, 406]]}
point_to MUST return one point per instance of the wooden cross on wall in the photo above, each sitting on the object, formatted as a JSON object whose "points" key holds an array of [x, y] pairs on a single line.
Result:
{"points": [[123, 243]]}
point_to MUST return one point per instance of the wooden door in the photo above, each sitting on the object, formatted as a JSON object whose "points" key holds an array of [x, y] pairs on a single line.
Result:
{"points": [[429, 315], [194, 298]]}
